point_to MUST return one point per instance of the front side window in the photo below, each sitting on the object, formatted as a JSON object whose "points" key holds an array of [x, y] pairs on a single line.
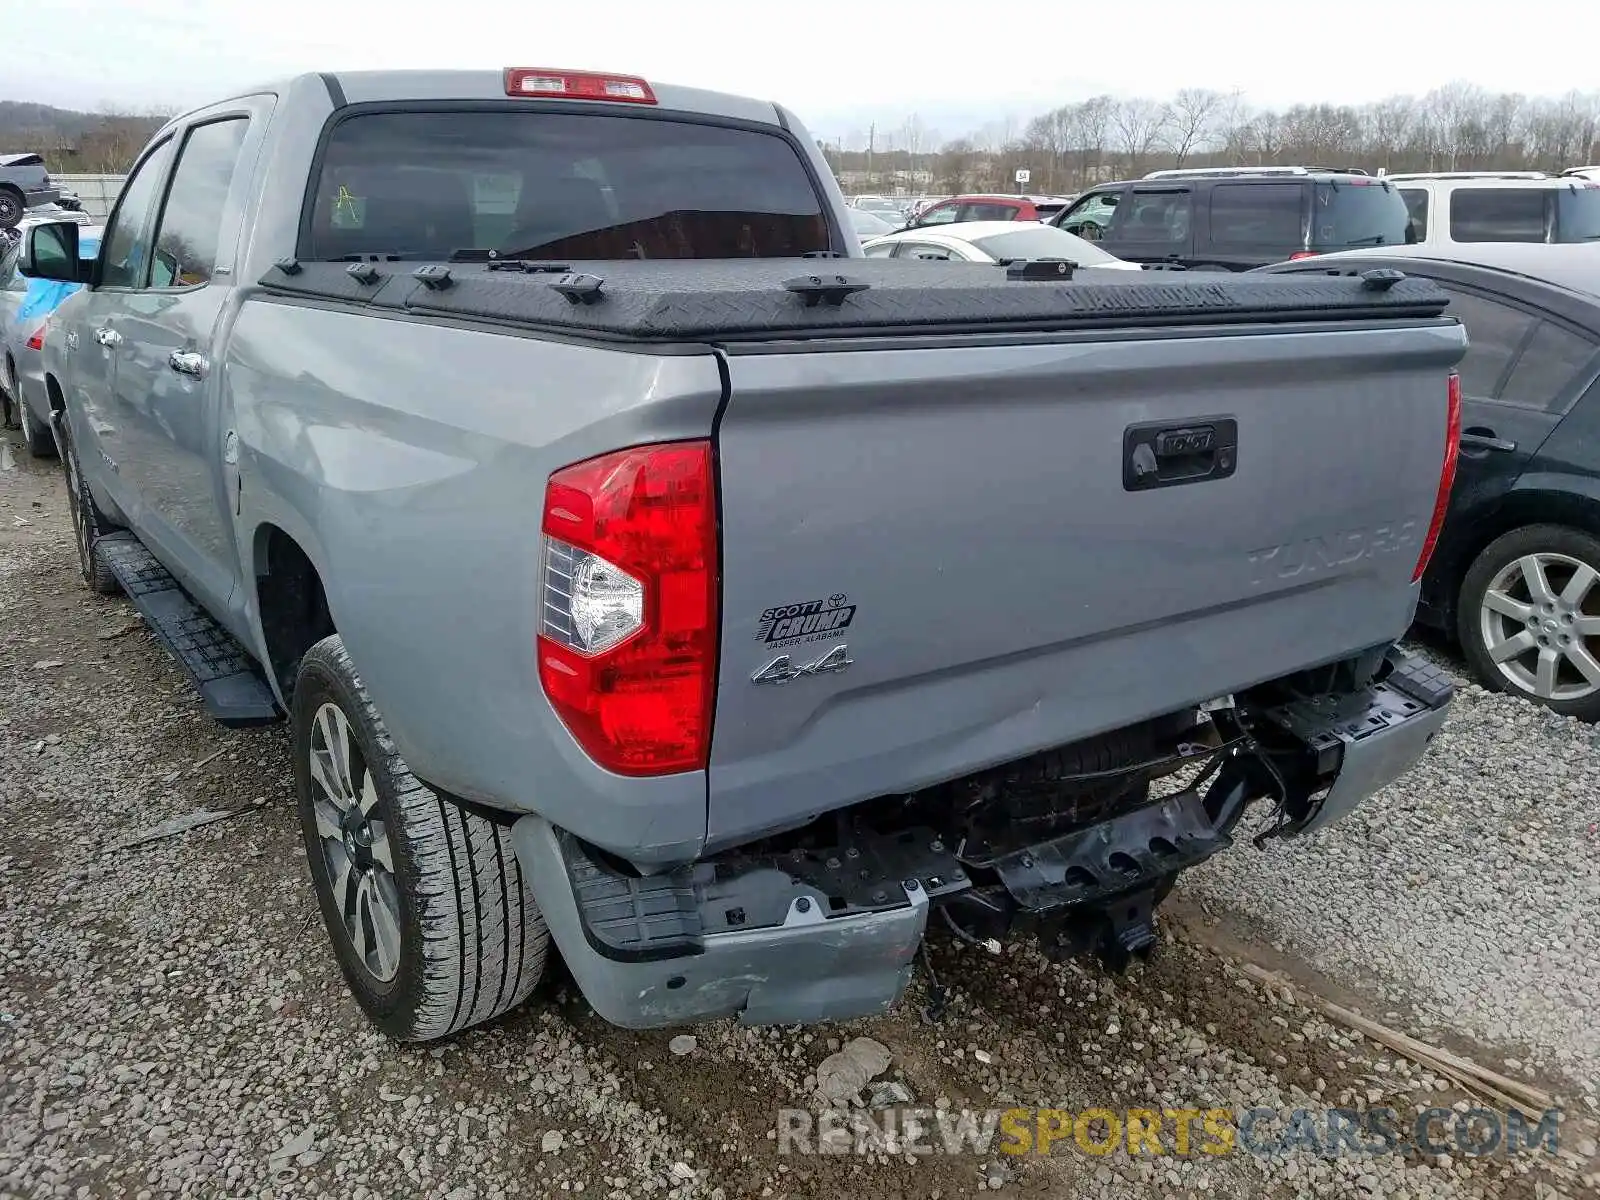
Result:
{"points": [[190, 227], [538, 184], [125, 249], [1159, 218], [1498, 214]]}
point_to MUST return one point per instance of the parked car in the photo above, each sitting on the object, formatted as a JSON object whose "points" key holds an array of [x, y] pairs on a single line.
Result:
{"points": [[992, 242], [962, 209], [22, 335], [24, 183], [869, 224], [887, 207], [1514, 575], [1457, 209], [857, 587], [1235, 219]]}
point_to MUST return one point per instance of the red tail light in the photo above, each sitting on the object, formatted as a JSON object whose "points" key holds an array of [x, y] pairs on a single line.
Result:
{"points": [[36, 342], [628, 623], [1299, 254], [1447, 476], [578, 85]]}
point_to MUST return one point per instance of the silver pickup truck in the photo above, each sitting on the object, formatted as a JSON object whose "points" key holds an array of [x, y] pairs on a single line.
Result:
{"points": [[641, 567]]}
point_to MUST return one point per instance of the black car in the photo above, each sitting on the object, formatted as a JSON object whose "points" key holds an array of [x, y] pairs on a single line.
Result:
{"points": [[1516, 574], [1235, 219], [24, 183]]}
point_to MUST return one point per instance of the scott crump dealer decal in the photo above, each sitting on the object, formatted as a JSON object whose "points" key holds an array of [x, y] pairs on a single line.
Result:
{"points": [[807, 621]]}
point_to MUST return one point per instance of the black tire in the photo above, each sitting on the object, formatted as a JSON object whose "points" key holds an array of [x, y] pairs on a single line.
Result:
{"points": [[89, 524], [471, 941], [40, 440], [1547, 622], [12, 207]]}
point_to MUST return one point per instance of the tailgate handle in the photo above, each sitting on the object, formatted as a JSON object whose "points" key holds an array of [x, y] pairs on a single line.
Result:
{"points": [[1166, 454]]}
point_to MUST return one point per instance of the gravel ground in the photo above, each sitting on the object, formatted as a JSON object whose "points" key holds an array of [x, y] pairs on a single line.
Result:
{"points": [[1470, 890], [171, 1021]]}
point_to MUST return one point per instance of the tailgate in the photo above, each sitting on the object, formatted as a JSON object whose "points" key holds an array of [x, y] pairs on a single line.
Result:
{"points": [[960, 519]]}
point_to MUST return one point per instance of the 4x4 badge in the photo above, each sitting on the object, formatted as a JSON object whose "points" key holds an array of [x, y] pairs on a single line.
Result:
{"points": [[783, 670]]}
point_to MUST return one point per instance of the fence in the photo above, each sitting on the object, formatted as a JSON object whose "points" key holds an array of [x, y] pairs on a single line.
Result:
{"points": [[98, 192]]}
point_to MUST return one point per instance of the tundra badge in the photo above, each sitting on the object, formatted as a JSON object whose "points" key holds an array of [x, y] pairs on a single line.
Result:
{"points": [[783, 670]]}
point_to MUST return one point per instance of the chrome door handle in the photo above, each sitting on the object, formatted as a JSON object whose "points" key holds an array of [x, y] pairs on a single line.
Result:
{"points": [[108, 337], [187, 362]]}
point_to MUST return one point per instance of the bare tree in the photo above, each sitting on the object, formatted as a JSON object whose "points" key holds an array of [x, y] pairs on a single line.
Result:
{"points": [[1082, 143], [1138, 125], [1192, 120]]}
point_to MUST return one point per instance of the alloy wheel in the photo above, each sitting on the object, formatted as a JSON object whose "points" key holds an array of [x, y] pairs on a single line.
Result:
{"points": [[355, 843], [1540, 622]]}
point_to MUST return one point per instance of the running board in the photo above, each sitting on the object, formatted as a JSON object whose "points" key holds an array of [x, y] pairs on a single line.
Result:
{"points": [[221, 670]]}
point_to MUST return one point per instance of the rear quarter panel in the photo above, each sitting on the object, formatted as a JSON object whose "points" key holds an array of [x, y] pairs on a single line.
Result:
{"points": [[409, 461]]}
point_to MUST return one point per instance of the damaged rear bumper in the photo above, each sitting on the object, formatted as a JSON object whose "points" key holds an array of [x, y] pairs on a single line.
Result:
{"points": [[807, 936], [795, 938]]}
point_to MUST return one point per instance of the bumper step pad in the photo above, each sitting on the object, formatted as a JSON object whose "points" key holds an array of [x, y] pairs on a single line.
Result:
{"points": [[221, 670]]}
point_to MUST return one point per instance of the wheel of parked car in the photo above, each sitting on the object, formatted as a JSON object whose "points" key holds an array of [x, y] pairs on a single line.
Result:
{"points": [[89, 524], [11, 207], [1529, 617], [431, 919]]}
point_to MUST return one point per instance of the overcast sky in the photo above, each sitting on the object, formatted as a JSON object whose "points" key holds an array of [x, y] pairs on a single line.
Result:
{"points": [[838, 64]]}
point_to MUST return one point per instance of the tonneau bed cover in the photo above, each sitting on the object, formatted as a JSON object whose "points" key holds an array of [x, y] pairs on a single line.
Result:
{"points": [[763, 299]]}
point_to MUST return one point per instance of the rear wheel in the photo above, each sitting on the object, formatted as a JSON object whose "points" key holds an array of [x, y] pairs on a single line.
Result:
{"points": [[89, 524], [11, 207], [1528, 618], [431, 919]]}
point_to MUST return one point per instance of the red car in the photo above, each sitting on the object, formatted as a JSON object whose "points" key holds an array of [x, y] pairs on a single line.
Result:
{"points": [[980, 208]]}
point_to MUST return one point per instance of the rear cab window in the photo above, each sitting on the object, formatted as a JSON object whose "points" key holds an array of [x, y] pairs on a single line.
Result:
{"points": [[535, 183], [1347, 213]]}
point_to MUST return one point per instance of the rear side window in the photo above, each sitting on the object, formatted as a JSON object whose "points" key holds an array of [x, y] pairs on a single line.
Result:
{"points": [[1494, 335], [1498, 214], [988, 212], [1578, 214], [1547, 368], [1358, 213], [560, 185], [1255, 214]]}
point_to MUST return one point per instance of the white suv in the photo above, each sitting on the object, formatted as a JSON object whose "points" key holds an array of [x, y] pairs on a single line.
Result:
{"points": [[1450, 208]]}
